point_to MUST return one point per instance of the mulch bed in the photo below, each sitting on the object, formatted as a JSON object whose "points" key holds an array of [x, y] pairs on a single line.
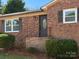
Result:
{"points": [[39, 55]]}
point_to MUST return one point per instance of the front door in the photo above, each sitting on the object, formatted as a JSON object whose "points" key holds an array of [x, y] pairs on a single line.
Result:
{"points": [[43, 26]]}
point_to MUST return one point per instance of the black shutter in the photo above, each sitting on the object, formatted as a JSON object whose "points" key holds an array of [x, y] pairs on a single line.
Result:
{"points": [[3, 26], [78, 14], [20, 24], [60, 16]]}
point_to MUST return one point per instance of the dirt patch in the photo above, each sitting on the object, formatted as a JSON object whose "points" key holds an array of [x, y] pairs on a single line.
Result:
{"points": [[39, 55], [21, 52]]}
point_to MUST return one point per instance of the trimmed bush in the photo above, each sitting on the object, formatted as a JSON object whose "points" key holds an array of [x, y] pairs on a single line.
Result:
{"points": [[32, 50], [51, 47], [66, 48], [6, 40], [62, 49]]}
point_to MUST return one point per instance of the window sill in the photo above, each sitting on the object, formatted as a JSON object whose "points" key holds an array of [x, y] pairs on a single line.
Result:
{"points": [[69, 22], [11, 31]]}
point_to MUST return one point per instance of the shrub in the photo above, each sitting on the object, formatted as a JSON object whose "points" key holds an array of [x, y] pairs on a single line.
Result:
{"points": [[66, 48], [32, 50], [51, 47], [6, 40], [62, 49]]}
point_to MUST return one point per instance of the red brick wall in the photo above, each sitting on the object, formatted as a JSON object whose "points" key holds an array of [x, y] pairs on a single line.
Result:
{"points": [[37, 42], [60, 30], [30, 28]]}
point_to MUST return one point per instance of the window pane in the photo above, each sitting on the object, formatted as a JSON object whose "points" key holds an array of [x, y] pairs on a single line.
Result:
{"points": [[70, 19], [16, 22], [15, 25], [8, 23], [8, 28], [70, 13], [44, 24], [15, 28]]}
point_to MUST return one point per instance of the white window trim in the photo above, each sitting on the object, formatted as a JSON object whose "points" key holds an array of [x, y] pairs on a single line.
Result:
{"points": [[11, 25], [72, 9]]}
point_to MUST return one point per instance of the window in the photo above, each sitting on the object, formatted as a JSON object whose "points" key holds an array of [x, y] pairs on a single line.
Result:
{"points": [[70, 15], [44, 24], [12, 25]]}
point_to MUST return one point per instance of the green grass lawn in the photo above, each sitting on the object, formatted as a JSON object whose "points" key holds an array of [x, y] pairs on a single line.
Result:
{"points": [[12, 56]]}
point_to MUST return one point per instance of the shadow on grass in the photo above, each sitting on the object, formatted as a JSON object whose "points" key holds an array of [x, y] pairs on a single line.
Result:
{"points": [[13, 56]]}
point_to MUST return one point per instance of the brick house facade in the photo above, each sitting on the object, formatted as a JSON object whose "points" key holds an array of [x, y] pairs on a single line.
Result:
{"points": [[55, 26], [29, 25]]}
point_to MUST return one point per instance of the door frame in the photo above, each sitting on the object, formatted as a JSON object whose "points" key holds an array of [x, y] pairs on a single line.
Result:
{"points": [[46, 26]]}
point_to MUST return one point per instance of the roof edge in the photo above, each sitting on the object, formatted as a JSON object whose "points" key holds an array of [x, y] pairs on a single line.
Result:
{"points": [[19, 13], [45, 6]]}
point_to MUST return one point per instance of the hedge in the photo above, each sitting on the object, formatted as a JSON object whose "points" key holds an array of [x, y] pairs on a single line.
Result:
{"points": [[6, 40], [61, 48]]}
